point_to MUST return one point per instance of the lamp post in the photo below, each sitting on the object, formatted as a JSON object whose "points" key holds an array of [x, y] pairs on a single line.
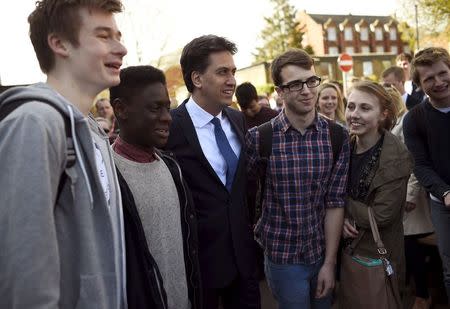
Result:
{"points": [[417, 26]]}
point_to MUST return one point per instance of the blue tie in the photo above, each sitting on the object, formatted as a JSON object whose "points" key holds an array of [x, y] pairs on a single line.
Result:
{"points": [[227, 152]]}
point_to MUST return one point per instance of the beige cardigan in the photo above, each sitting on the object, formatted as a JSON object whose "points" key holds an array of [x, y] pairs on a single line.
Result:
{"points": [[417, 221]]}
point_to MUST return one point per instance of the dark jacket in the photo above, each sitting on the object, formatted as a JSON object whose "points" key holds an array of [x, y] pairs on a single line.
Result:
{"points": [[225, 237], [144, 282]]}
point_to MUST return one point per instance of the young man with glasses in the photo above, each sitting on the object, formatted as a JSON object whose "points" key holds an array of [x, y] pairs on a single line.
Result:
{"points": [[305, 186]]}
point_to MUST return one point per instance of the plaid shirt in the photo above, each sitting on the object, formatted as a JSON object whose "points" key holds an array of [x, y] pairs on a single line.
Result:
{"points": [[301, 183]]}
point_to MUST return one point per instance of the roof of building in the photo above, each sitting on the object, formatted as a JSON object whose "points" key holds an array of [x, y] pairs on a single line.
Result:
{"points": [[353, 19]]}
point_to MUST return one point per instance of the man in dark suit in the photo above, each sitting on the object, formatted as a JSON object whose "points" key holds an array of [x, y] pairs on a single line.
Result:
{"points": [[404, 61], [207, 138], [395, 76]]}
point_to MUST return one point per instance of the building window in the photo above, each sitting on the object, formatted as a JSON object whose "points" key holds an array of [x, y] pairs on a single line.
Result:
{"points": [[394, 49], [406, 49], [379, 49], [378, 34], [365, 49], [348, 34], [367, 68], [393, 34], [349, 50], [364, 34], [333, 50], [331, 34]]}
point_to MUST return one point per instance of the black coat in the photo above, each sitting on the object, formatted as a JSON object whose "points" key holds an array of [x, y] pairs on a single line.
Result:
{"points": [[225, 237], [144, 282]]}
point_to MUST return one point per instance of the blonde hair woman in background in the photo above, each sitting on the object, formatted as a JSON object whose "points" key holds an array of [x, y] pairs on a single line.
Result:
{"points": [[330, 102]]}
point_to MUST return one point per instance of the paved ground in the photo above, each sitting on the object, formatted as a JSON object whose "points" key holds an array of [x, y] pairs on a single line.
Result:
{"points": [[268, 302]]}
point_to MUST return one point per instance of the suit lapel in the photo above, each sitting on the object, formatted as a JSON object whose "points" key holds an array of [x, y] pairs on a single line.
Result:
{"points": [[188, 129]]}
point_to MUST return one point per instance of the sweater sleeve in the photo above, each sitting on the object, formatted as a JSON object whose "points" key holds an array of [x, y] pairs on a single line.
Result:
{"points": [[32, 148], [423, 168]]}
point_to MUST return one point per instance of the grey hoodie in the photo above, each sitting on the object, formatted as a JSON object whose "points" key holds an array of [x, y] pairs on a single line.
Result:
{"points": [[57, 254]]}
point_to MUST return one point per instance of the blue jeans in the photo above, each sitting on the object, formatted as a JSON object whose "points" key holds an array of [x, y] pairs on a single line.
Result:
{"points": [[440, 215], [294, 285]]}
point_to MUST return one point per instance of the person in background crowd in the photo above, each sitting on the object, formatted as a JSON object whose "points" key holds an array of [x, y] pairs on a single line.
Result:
{"points": [[207, 138], [104, 123], [427, 135], [416, 219], [61, 224], [330, 103], [263, 100], [105, 110], [160, 217], [301, 222], [380, 168], [254, 113], [404, 61], [395, 76]]}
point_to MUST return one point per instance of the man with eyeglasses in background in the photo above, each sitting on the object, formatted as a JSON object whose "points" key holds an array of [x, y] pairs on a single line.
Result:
{"points": [[304, 194]]}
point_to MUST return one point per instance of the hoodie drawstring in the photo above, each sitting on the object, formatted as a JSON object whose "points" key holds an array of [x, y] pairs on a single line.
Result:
{"points": [[78, 153]]}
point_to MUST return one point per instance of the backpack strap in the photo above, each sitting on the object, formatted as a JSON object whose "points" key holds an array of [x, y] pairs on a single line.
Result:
{"points": [[336, 137], [7, 109], [265, 140], [265, 149]]}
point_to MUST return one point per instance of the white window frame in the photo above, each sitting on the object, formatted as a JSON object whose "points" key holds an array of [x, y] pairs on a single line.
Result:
{"points": [[393, 34], [333, 50], [367, 68], [348, 34], [364, 34], [332, 34], [365, 49], [378, 34]]}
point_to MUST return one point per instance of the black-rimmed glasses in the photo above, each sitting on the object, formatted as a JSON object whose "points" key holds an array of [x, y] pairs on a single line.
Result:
{"points": [[297, 85]]}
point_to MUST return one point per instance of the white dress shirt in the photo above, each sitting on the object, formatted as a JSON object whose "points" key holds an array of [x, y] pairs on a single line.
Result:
{"points": [[205, 133]]}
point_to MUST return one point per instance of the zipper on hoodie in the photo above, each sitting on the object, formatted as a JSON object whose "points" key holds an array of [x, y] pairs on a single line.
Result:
{"points": [[180, 175]]}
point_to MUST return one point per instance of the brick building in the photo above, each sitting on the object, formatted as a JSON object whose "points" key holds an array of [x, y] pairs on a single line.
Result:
{"points": [[352, 34]]}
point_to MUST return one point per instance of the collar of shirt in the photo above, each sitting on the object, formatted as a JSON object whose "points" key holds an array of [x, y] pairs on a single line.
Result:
{"points": [[284, 123], [133, 153], [199, 116], [405, 97]]}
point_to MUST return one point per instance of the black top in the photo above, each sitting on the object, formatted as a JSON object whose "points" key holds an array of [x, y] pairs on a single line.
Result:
{"points": [[361, 164], [427, 136], [264, 115]]}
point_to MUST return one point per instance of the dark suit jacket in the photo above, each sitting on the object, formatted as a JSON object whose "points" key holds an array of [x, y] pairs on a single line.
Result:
{"points": [[225, 237], [412, 101]]}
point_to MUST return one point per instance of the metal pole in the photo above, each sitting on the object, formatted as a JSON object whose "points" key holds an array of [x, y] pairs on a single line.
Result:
{"points": [[344, 83], [417, 27]]}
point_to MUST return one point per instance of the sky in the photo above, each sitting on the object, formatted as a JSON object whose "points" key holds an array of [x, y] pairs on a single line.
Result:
{"points": [[153, 28]]}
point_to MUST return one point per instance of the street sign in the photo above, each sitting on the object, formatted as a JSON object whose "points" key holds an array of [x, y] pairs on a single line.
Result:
{"points": [[345, 62]]}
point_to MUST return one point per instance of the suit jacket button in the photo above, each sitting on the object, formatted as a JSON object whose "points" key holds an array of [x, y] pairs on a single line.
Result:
{"points": [[191, 216]]}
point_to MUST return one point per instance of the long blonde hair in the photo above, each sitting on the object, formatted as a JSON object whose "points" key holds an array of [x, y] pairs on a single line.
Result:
{"points": [[340, 108]]}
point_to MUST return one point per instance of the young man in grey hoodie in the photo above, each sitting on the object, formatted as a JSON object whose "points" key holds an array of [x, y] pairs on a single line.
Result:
{"points": [[61, 225]]}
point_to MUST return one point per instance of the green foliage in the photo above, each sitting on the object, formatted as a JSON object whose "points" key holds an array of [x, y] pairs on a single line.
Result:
{"points": [[265, 89], [408, 34], [439, 9], [281, 33]]}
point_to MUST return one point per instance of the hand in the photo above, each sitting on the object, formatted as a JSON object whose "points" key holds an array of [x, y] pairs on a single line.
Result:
{"points": [[325, 280], [348, 230], [447, 200], [410, 206]]}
